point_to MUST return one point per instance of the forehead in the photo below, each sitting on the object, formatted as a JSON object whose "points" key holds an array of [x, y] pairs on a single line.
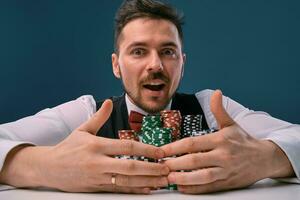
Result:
{"points": [[152, 32]]}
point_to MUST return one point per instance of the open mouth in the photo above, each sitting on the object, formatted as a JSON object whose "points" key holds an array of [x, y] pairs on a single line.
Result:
{"points": [[154, 87]]}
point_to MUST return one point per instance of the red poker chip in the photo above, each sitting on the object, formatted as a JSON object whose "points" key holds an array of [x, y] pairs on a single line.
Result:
{"points": [[128, 135]]}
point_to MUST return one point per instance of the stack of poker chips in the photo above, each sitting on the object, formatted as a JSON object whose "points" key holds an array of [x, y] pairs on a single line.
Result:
{"points": [[153, 133], [161, 136], [172, 119], [149, 124], [159, 130], [165, 128], [191, 125]]}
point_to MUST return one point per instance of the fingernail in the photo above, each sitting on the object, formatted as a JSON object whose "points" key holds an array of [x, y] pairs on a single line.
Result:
{"points": [[171, 178]]}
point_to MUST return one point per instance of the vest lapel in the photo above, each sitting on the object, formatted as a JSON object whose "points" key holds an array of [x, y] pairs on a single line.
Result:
{"points": [[118, 119]]}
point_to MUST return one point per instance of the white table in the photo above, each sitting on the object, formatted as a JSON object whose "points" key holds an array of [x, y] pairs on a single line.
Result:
{"points": [[265, 189]]}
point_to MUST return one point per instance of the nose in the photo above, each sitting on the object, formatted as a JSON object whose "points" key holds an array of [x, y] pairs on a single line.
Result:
{"points": [[155, 63]]}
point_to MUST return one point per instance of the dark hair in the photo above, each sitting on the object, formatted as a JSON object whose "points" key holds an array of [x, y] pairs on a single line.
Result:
{"points": [[133, 9]]}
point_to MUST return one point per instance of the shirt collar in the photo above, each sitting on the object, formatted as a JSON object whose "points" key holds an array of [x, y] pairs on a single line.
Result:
{"points": [[132, 107]]}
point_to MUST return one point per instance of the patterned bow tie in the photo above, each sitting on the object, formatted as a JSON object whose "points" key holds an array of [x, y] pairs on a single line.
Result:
{"points": [[135, 121]]}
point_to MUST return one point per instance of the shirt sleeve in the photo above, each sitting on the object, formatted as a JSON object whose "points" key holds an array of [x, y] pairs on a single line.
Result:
{"points": [[47, 127], [259, 125]]}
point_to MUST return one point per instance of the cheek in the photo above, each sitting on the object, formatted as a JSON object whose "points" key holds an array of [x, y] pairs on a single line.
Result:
{"points": [[131, 70], [175, 75], [130, 77]]}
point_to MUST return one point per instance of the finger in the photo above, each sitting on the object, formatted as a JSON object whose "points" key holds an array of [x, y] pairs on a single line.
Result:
{"points": [[133, 181], [141, 181], [216, 106], [190, 145], [216, 186], [197, 177], [98, 119], [121, 189], [129, 147], [135, 167], [192, 161]]}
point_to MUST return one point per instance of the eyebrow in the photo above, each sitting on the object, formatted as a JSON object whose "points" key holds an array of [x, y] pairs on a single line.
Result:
{"points": [[135, 44], [173, 44]]}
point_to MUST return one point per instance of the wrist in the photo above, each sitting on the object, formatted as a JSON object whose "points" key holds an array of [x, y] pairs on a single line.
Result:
{"points": [[277, 162], [22, 167]]}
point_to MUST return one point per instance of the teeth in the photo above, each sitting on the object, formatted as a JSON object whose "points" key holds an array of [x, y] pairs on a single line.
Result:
{"points": [[155, 84]]}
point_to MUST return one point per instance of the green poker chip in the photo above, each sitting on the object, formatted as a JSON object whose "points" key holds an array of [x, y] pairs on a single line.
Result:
{"points": [[172, 187]]}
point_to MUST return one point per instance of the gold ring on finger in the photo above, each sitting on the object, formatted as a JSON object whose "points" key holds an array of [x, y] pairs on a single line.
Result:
{"points": [[113, 179]]}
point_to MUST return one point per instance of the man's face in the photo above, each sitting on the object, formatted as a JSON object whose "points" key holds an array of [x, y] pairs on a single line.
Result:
{"points": [[150, 62]]}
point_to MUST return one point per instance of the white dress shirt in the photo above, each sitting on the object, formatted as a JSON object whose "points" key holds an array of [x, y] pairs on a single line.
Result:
{"points": [[50, 126]]}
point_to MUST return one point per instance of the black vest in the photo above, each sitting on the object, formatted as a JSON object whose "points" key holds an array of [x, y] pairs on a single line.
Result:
{"points": [[187, 104]]}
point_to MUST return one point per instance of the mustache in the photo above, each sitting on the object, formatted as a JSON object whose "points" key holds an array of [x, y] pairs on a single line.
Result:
{"points": [[155, 76]]}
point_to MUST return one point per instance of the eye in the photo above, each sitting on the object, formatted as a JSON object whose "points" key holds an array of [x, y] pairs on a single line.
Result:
{"points": [[138, 52], [169, 52]]}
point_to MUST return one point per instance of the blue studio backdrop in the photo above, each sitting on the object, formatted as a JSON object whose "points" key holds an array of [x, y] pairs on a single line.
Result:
{"points": [[53, 51]]}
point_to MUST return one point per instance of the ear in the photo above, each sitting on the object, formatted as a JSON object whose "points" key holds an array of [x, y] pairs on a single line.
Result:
{"points": [[115, 65], [184, 59]]}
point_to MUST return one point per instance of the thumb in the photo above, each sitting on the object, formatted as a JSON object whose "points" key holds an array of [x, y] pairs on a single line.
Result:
{"points": [[216, 107], [98, 119]]}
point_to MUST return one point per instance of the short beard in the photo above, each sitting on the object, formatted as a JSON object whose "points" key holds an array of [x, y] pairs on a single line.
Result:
{"points": [[138, 102]]}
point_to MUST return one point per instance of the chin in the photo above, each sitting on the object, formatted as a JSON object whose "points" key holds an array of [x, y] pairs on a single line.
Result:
{"points": [[152, 110], [154, 107]]}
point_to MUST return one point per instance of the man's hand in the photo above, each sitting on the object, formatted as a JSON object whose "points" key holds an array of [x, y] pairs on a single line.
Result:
{"points": [[224, 160], [84, 162]]}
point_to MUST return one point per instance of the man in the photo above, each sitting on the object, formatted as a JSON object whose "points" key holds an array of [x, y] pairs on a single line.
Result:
{"points": [[58, 147]]}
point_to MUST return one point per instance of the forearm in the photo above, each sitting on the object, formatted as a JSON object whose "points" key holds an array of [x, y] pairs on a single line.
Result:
{"points": [[22, 167]]}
